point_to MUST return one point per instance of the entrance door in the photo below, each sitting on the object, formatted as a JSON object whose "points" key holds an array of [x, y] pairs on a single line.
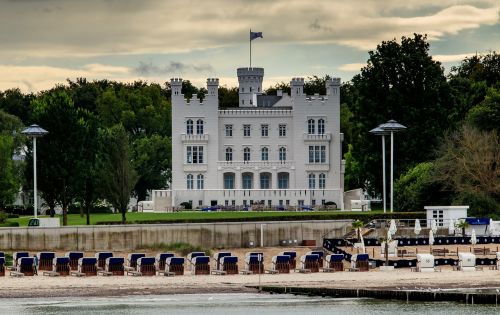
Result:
{"points": [[213, 202]]}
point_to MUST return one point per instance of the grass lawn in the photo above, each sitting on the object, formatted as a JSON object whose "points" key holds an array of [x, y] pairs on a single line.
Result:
{"points": [[196, 216]]}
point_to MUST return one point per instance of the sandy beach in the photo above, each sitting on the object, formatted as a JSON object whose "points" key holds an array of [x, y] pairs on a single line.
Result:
{"points": [[43, 286]]}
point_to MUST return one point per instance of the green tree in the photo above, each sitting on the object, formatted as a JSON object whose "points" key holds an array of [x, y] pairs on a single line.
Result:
{"points": [[59, 153], [482, 67], [486, 115], [152, 159], [468, 165], [228, 97], [401, 81], [9, 184], [117, 174], [16, 103], [417, 188]]}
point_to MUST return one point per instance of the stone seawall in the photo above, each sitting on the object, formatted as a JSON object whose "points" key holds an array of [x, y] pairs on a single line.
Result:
{"points": [[131, 237]]}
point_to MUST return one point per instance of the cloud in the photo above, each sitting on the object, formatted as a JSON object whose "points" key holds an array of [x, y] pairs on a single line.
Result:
{"points": [[351, 67], [148, 68], [49, 29], [452, 58]]}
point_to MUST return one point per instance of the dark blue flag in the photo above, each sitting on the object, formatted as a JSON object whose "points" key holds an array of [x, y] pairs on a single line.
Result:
{"points": [[254, 35]]}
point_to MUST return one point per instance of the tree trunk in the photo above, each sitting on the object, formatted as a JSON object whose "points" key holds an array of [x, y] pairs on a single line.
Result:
{"points": [[81, 211], [463, 232], [65, 214], [124, 219], [87, 212]]}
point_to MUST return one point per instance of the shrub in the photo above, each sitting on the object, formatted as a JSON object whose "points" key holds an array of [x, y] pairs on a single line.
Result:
{"points": [[3, 217], [187, 205]]}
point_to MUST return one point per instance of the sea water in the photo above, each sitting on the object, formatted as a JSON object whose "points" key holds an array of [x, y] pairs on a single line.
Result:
{"points": [[232, 304]]}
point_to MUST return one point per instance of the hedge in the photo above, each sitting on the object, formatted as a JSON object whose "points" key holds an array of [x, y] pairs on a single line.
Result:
{"points": [[362, 216]]}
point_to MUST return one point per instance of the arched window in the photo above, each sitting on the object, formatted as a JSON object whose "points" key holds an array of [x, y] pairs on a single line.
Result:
{"points": [[200, 181], [282, 154], [189, 181], [265, 180], [189, 127], [321, 126], [283, 180], [322, 180], [246, 154], [199, 126], [229, 154], [310, 126], [264, 154], [312, 181], [247, 180], [228, 180]]}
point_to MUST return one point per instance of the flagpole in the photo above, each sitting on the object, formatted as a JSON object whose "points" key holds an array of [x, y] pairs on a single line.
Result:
{"points": [[250, 38]]}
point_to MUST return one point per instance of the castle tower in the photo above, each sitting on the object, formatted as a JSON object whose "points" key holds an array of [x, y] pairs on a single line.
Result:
{"points": [[176, 88], [250, 81], [213, 87], [296, 87]]}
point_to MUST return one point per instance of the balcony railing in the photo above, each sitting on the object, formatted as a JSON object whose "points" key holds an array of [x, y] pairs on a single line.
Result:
{"points": [[255, 164], [317, 137], [194, 137]]}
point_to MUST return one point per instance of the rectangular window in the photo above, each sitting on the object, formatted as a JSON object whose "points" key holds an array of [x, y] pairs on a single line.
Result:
{"points": [[282, 130], [264, 130], [194, 155], [317, 154], [200, 202], [229, 130], [246, 130]]}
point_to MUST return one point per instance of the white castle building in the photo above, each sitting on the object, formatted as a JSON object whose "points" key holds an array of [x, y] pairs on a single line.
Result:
{"points": [[275, 150]]}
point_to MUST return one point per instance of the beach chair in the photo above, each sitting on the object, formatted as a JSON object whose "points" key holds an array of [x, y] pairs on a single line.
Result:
{"points": [[132, 261], [228, 265], [60, 267], [45, 260], [193, 255], [16, 256], [201, 265], [114, 266], [25, 267], [309, 263], [360, 262], [467, 262], [334, 263], [73, 259], [217, 259], [293, 258], [254, 263], [320, 254], [160, 260], [145, 267], [2, 266], [280, 264], [101, 259], [87, 266], [425, 263], [174, 265]]}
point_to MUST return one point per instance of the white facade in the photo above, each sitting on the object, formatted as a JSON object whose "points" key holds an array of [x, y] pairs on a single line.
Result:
{"points": [[275, 150]]}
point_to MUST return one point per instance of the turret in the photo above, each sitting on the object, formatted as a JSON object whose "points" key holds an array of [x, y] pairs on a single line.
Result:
{"points": [[213, 87], [296, 87], [250, 81], [332, 86], [176, 88]]}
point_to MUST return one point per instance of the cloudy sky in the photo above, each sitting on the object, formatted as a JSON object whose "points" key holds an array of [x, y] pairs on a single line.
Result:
{"points": [[44, 42]]}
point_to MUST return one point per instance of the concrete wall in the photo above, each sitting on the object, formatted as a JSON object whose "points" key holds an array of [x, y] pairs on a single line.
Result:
{"points": [[131, 237]]}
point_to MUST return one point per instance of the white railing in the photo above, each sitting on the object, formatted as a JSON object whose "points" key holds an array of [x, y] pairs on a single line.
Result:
{"points": [[255, 164]]}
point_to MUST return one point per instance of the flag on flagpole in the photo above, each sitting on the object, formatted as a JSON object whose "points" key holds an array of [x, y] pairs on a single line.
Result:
{"points": [[254, 35]]}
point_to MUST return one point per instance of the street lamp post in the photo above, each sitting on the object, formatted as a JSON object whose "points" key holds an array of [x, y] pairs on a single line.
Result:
{"points": [[34, 131], [380, 132], [392, 126]]}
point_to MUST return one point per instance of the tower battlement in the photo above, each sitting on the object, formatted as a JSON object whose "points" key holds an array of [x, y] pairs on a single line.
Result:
{"points": [[212, 81], [333, 81]]}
